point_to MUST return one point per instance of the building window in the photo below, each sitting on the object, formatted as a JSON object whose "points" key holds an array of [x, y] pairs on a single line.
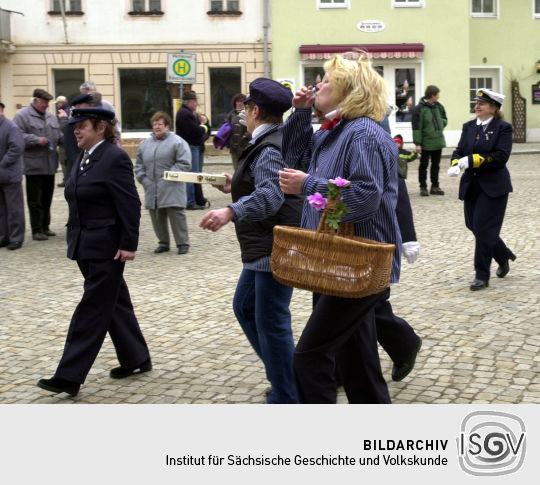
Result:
{"points": [[475, 84], [67, 82], [408, 3], [225, 82], [484, 8], [224, 7], [536, 7], [71, 7], [333, 3], [142, 93], [146, 7]]}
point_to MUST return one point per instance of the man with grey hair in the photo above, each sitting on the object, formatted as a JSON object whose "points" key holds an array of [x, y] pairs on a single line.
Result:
{"points": [[88, 87], [42, 132]]}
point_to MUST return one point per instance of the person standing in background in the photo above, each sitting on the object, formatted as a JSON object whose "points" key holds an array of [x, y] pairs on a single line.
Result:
{"points": [[62, 111], [428, 122], [192, 129], [11, 192], [164, 199], [42, 133], [239, 137]]}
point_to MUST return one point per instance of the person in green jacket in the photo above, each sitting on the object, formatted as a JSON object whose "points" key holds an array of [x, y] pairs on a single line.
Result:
{"points": [[428, 122]]}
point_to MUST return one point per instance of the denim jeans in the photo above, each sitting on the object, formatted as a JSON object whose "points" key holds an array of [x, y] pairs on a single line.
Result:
{"points": [[261, 305], [190, 188]]}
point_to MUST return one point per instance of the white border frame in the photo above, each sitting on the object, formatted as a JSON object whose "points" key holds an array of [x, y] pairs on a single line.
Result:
{"points": [[484, 15]]}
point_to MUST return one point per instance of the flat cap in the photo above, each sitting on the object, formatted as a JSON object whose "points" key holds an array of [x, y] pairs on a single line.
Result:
{"points": [[81, 114], [490, 96], [269, 95], [187, 95], [42, 94], [60, 99]]}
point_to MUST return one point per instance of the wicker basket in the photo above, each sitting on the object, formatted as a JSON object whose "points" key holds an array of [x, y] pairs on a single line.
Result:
{"points": [[323, 261]]}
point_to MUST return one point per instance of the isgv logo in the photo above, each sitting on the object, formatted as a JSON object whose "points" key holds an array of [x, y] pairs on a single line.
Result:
{"points": [[491, 443]]}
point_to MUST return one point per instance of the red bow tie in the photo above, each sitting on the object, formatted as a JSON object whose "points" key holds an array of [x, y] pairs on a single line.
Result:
{"points": [[329, 125]]}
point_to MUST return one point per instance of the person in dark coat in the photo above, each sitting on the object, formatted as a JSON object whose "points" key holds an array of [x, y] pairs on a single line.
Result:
{"points": [[192, 128], [11, 192], [102, 234], [482, 152]]}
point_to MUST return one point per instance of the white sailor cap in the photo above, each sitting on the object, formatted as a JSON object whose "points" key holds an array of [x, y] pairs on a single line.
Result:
{"points": [[490, 96]]}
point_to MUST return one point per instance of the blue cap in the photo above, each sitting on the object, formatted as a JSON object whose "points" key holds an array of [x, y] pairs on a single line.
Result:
{"points": [[272, 97], [82, 98], [81, 114]]}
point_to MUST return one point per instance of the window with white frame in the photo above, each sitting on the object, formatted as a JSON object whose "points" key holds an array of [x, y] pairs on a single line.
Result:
{"points": [[536, 7], [146, 5], [333, 3], [408, 3], [485, 8], [224, 6], [69, 6]]}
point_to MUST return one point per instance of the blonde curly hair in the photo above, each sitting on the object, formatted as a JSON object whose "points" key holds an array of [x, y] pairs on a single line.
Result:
{"points": [[357, 88]]}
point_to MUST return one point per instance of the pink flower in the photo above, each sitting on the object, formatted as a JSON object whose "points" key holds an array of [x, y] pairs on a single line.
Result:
{"points": [[317, 201], [340, 182]]}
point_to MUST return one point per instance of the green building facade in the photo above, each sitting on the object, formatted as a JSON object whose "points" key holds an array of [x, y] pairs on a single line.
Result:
{"points": [[457, 45]]}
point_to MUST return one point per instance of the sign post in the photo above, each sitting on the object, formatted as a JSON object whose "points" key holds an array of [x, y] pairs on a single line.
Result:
{"points": [[181, 69]]}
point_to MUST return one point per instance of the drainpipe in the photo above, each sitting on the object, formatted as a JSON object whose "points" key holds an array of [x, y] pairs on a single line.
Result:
{"points": [[63, 12], [266, 26]]}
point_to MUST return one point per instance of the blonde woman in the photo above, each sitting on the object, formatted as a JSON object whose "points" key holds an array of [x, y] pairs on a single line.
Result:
{"points": [[341, 331]]}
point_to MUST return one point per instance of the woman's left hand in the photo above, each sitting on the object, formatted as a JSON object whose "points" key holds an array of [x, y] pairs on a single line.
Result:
{"points": [[291, 180], [124, 256], [216, 219]]}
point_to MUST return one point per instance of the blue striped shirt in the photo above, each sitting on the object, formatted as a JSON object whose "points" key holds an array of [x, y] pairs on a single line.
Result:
{"points": [[360, 151], [267, 198]]}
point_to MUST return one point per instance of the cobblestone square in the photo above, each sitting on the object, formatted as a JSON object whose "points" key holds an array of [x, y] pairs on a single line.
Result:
{"points": [[479, 347]]}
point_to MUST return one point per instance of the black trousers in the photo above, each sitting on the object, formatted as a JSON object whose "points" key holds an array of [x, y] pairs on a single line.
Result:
{"points": [[39, 194], [435, 156], [340, 332], [484, 216], [395, 335], [105, 307]]}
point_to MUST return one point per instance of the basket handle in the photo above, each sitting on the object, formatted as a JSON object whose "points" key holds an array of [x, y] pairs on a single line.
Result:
{"points": [[344, 229]]}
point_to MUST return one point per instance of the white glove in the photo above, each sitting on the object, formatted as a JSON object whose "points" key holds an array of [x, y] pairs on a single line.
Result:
{"points": [[463, 163], [242, 118], [454, 171], [411, 250]]}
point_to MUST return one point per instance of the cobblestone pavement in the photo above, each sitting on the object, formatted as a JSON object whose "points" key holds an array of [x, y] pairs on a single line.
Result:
{"points": [[479, 347]]}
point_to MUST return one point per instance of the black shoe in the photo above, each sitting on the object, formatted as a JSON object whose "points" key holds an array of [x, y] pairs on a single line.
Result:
{"points": [[436, 190], [14, 245], [477, 285], [3, 244], [59, 385], [183, 248], [49, 233], [121, 372], [424, 192], [161, 249], [503, 269], [61, 184], [195, 207], [403, 369]]}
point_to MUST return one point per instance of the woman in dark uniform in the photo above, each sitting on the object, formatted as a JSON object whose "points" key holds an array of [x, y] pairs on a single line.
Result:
{"points": [[102, 234], [483, 150]]}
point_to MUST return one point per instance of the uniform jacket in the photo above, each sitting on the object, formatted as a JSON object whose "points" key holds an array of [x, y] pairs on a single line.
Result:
{"points": [[188, 126], [104, 207], [495, 145], [11, 150], [153, 158], [39, 160], [428, 123]]}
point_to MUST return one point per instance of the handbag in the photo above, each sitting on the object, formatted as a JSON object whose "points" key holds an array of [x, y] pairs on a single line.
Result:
{"points": [[329, 262]]}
